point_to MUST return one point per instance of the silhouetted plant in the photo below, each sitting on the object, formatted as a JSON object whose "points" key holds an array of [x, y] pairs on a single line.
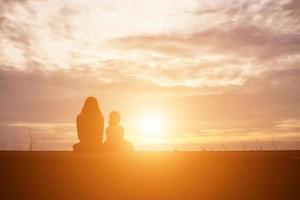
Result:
{"points": [[222, 145], [259, 146], [274, 145]]}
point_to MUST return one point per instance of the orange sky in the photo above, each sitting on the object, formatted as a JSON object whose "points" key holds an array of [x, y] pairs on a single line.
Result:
{"points": [[216, 73]]}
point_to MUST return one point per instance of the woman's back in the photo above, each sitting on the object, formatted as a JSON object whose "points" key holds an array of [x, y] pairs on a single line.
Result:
{"points": [[90, 125], [90, 128]]}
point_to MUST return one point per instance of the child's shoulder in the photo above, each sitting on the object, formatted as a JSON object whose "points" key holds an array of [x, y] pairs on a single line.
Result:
{"points": [[119, 129]]}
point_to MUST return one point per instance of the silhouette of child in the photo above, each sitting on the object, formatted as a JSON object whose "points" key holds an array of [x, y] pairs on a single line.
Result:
{"points": [[115, 132]]}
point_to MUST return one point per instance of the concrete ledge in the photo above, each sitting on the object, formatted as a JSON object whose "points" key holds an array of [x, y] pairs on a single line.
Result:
{"points": [[150, 175]]}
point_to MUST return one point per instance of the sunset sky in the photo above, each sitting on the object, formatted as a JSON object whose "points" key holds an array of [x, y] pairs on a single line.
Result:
{"points": [[219, 74]]}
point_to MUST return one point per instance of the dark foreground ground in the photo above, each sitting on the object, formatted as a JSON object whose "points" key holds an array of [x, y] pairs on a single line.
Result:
{"points": [[150, 175]]}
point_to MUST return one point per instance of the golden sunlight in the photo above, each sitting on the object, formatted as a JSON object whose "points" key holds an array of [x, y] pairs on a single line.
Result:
{"points": [[151, 124]]}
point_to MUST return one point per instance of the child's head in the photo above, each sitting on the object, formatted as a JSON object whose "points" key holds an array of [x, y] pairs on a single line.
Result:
{"points": [[114, 118]]}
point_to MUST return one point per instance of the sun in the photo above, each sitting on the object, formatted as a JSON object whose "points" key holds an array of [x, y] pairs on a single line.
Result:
{"points": [[151, 124]]}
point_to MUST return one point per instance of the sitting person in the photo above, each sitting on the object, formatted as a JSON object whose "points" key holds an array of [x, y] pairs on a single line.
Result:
{"points": [[115, 134], [90, 125]]}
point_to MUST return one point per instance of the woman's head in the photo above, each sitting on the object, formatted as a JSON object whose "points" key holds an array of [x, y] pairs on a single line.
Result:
{"points": [[114, 118], [90, 107]]}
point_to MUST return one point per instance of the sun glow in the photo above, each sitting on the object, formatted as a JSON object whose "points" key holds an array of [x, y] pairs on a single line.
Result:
{"points": [[151, 124]]}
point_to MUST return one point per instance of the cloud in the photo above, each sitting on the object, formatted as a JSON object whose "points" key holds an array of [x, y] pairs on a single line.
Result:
{"points": [[244, 41], [232, 64], [41, 96], [293, 8], [214, 57]]}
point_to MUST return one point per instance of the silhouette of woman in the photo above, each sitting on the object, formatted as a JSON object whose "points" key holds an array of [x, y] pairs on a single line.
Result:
{"points": [[90, 124]]}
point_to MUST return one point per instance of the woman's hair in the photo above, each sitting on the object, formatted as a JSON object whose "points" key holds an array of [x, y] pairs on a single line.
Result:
{"points": [[114, 118], [90, 107]]}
